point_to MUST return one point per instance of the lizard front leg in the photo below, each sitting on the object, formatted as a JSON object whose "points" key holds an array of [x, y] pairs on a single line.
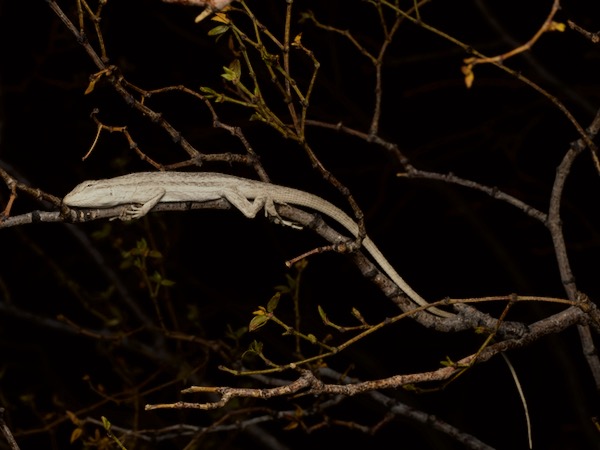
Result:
{"points": [[137, 211]]}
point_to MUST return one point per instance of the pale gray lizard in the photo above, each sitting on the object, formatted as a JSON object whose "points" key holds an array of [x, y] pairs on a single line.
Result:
{"points": [[144, 190]]}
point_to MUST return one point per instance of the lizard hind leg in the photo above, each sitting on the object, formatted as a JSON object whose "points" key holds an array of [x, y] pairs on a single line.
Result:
{"points": [[251, 208], [241, 203], [271, 211]]}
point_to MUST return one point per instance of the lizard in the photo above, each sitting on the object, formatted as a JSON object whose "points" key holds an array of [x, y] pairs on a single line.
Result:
{"points": [[141, 191]]}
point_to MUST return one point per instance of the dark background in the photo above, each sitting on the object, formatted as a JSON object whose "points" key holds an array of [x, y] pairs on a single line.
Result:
{"points": [[446, 241]]}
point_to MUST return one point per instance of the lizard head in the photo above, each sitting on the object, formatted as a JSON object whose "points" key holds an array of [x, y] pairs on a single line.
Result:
{"points": [[91, 193]]}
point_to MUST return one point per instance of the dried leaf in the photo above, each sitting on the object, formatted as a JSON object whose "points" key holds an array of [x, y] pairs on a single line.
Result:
{"points": [[469, 75]]}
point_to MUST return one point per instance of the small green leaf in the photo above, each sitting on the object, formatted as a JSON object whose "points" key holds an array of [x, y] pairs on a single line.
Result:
{"points": [[111, 323], [291, 281], [76, 434], [155, 254], [236, 67], [283, 289], [207, 90], [256, 347], [105, 423], [235, 334], [273, 302], [228, 75], [322, 314], [448, 362], [233, 72], [141, 244], [257, 322], [218, 30], [258, 116], [356, 313], [160, 280], [103, 232], [73, 418]]}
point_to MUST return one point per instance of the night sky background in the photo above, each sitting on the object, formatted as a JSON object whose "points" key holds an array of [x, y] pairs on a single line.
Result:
{"points": [[446, 241]]}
